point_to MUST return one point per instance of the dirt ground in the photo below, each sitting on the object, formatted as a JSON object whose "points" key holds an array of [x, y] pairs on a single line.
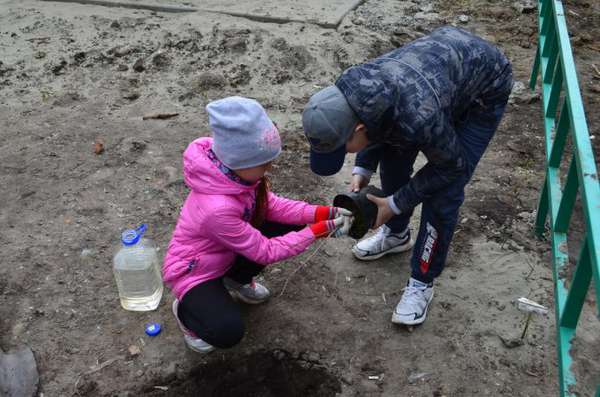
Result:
{"points": [[75, 76]]}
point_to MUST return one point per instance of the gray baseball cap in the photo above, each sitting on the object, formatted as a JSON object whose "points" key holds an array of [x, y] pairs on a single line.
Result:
{"points": [[328, 122]]}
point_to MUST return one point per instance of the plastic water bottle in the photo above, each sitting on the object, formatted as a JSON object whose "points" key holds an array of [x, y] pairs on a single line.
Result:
{"points": [[137, 271]]}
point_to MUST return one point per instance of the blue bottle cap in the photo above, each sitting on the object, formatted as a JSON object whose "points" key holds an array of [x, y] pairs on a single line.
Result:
{"points": [[153, 329], [131, 236]]}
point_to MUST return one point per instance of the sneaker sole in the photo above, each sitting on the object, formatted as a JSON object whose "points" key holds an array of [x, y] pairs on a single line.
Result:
{"points": [[395, 250], [195, 349], [198, 350], [236, 295], [397, 320]]}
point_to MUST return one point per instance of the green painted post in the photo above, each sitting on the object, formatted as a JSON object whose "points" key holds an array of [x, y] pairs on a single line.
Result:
{"points": [[555, 89], [555, 65], [586, 164], [562, 130], [551, 39], [579, 287], [552, 60], [565, 209], [545, 18], [542, 212], [564, 336]]}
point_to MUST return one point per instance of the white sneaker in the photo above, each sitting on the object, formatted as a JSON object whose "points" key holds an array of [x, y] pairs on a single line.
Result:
{"points": [[252, 293], [382, 243], [412, 308], [191, 340]]}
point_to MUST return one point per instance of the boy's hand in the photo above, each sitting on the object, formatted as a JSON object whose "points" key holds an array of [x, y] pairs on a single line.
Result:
{"points": [[384, 212], [358, 182]]}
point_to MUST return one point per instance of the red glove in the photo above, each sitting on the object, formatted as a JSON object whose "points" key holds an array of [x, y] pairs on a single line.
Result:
{"points": [[327, 227], [325, 212]]}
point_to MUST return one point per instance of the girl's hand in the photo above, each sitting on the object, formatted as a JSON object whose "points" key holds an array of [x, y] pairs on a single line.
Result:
{"points": [[327, 227], [345, 229], [384, 212], [324, 213]]}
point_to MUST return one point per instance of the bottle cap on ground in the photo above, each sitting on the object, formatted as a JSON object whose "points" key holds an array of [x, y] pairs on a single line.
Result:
{"points": [[153, 329]]}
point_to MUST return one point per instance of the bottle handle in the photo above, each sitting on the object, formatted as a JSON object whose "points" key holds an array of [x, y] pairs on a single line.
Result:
{"points": [[141, 229]]}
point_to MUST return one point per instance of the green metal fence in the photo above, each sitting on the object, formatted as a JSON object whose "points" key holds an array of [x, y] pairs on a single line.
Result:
{"points": [[564, 116]]}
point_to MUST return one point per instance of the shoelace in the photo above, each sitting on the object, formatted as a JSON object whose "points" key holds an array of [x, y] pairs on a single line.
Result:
{"points": [[385, 231], [410, 295], [376, 236]]}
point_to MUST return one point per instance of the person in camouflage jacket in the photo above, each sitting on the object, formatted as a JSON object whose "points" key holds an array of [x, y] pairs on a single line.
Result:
{"points": [[442, 95]]}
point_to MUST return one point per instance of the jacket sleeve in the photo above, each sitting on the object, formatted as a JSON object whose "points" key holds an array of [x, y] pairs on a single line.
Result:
{"points": [[289, 212], [445, 163], [369, 157], [227, 228]]}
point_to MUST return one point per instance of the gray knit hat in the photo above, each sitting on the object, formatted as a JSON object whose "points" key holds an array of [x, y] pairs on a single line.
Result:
{"points": [[243, 135]]}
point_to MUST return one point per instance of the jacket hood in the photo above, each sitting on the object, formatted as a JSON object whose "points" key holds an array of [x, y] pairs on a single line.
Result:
{"points": [[202, 175], [371, 93]]}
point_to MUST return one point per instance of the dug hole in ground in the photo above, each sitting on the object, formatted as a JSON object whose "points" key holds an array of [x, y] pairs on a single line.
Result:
{"points": [[79, 164]]}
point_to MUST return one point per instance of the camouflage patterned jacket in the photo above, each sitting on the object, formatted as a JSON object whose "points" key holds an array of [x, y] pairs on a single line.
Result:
{"points": [[411, 98]]}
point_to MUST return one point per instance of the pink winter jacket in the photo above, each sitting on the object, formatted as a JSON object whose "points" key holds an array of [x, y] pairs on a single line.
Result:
{"points": [[213, 225]]}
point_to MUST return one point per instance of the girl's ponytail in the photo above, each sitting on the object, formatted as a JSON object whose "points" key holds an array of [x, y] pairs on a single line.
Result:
{"points": [[262, 198]]}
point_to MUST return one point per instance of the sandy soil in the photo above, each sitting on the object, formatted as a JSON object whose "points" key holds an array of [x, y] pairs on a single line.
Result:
{"points": [[73, 75]]}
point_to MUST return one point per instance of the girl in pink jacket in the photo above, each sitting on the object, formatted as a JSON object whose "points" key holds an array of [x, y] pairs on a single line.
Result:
{"points": [[231, 224]]}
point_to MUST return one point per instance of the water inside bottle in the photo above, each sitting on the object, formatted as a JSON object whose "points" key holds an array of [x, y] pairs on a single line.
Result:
{"points": [[138, 278]]}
